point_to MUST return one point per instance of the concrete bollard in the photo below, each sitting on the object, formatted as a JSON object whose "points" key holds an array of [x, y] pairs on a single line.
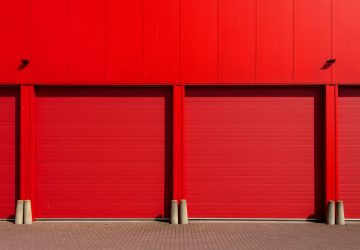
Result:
{"points": [[27, 212], [19, 215], [183, 212], [174, 212], [331, 213], [340, 215]]}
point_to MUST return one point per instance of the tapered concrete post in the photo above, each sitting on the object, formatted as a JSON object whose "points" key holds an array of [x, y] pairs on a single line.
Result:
{"points": [[19, 215], [183, 212], [340, 215], [330, 220], [27, 212], [174, 212]]}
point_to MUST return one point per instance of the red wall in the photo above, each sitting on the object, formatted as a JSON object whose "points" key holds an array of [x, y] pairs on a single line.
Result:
{"points": [[179, 41], [166, 42]]}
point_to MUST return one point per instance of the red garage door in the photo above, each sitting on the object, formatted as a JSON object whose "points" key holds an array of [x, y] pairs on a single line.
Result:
{"points": [[254, 152], [8, 151], [349, 150], [103, 152]]}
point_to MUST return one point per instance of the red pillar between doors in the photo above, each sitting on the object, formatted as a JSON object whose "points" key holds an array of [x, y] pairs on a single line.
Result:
{"points": [[178, 140], [336, 142], [331, 143], [27, 142]]}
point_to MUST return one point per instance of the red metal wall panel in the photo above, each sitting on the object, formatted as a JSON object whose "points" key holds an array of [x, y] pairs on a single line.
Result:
{"points": [[103, 152], [14, 42], [132, 42], [49, 41], [237, 36], [254, 152], [346, 40], [349, 150], [161, 41], [8, 151], [199, 41], [86, 41], [312, 41], [124, 41], [275, 61]]}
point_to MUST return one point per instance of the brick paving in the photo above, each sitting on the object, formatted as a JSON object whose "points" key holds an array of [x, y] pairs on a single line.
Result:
{"points": [[161, 235]]}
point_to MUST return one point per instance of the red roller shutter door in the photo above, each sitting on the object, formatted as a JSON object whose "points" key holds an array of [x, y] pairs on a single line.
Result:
{"points": [[254, 152], [349, 150], [103, 152], [8, 151]]}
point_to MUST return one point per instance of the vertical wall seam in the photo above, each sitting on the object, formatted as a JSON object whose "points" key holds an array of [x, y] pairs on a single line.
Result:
{"points": [[67, 48], [29, 46], [332, 37], [256, 41], [218, 35], [293, 48], [143, 41], [180, 42], [105, 40]]}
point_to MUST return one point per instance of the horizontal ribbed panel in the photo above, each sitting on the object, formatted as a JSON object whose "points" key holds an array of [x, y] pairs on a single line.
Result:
{"points": [[349, 150], [102, 152], [8, 148], [254, 152]]}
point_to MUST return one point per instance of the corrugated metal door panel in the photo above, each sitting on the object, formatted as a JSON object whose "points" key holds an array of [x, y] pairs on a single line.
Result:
{"points": [[161, 41], [312, 41], [275, 41], [254, 152], [8, 151], [349, 150], [346, 40], [199, 41], [124, 41], [237, 35], [14, 39], [49, 41], [86, 42], [103, 152]]}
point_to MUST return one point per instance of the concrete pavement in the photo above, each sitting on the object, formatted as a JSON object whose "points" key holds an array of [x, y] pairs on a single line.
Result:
{"points": [[161, 235]]}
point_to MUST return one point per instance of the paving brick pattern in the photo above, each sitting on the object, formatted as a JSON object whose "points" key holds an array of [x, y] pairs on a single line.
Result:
{"points": [[160, 235]]}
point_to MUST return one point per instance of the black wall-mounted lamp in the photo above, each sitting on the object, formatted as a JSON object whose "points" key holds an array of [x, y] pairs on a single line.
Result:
{"points": [[23, 64], [329, 62]]}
